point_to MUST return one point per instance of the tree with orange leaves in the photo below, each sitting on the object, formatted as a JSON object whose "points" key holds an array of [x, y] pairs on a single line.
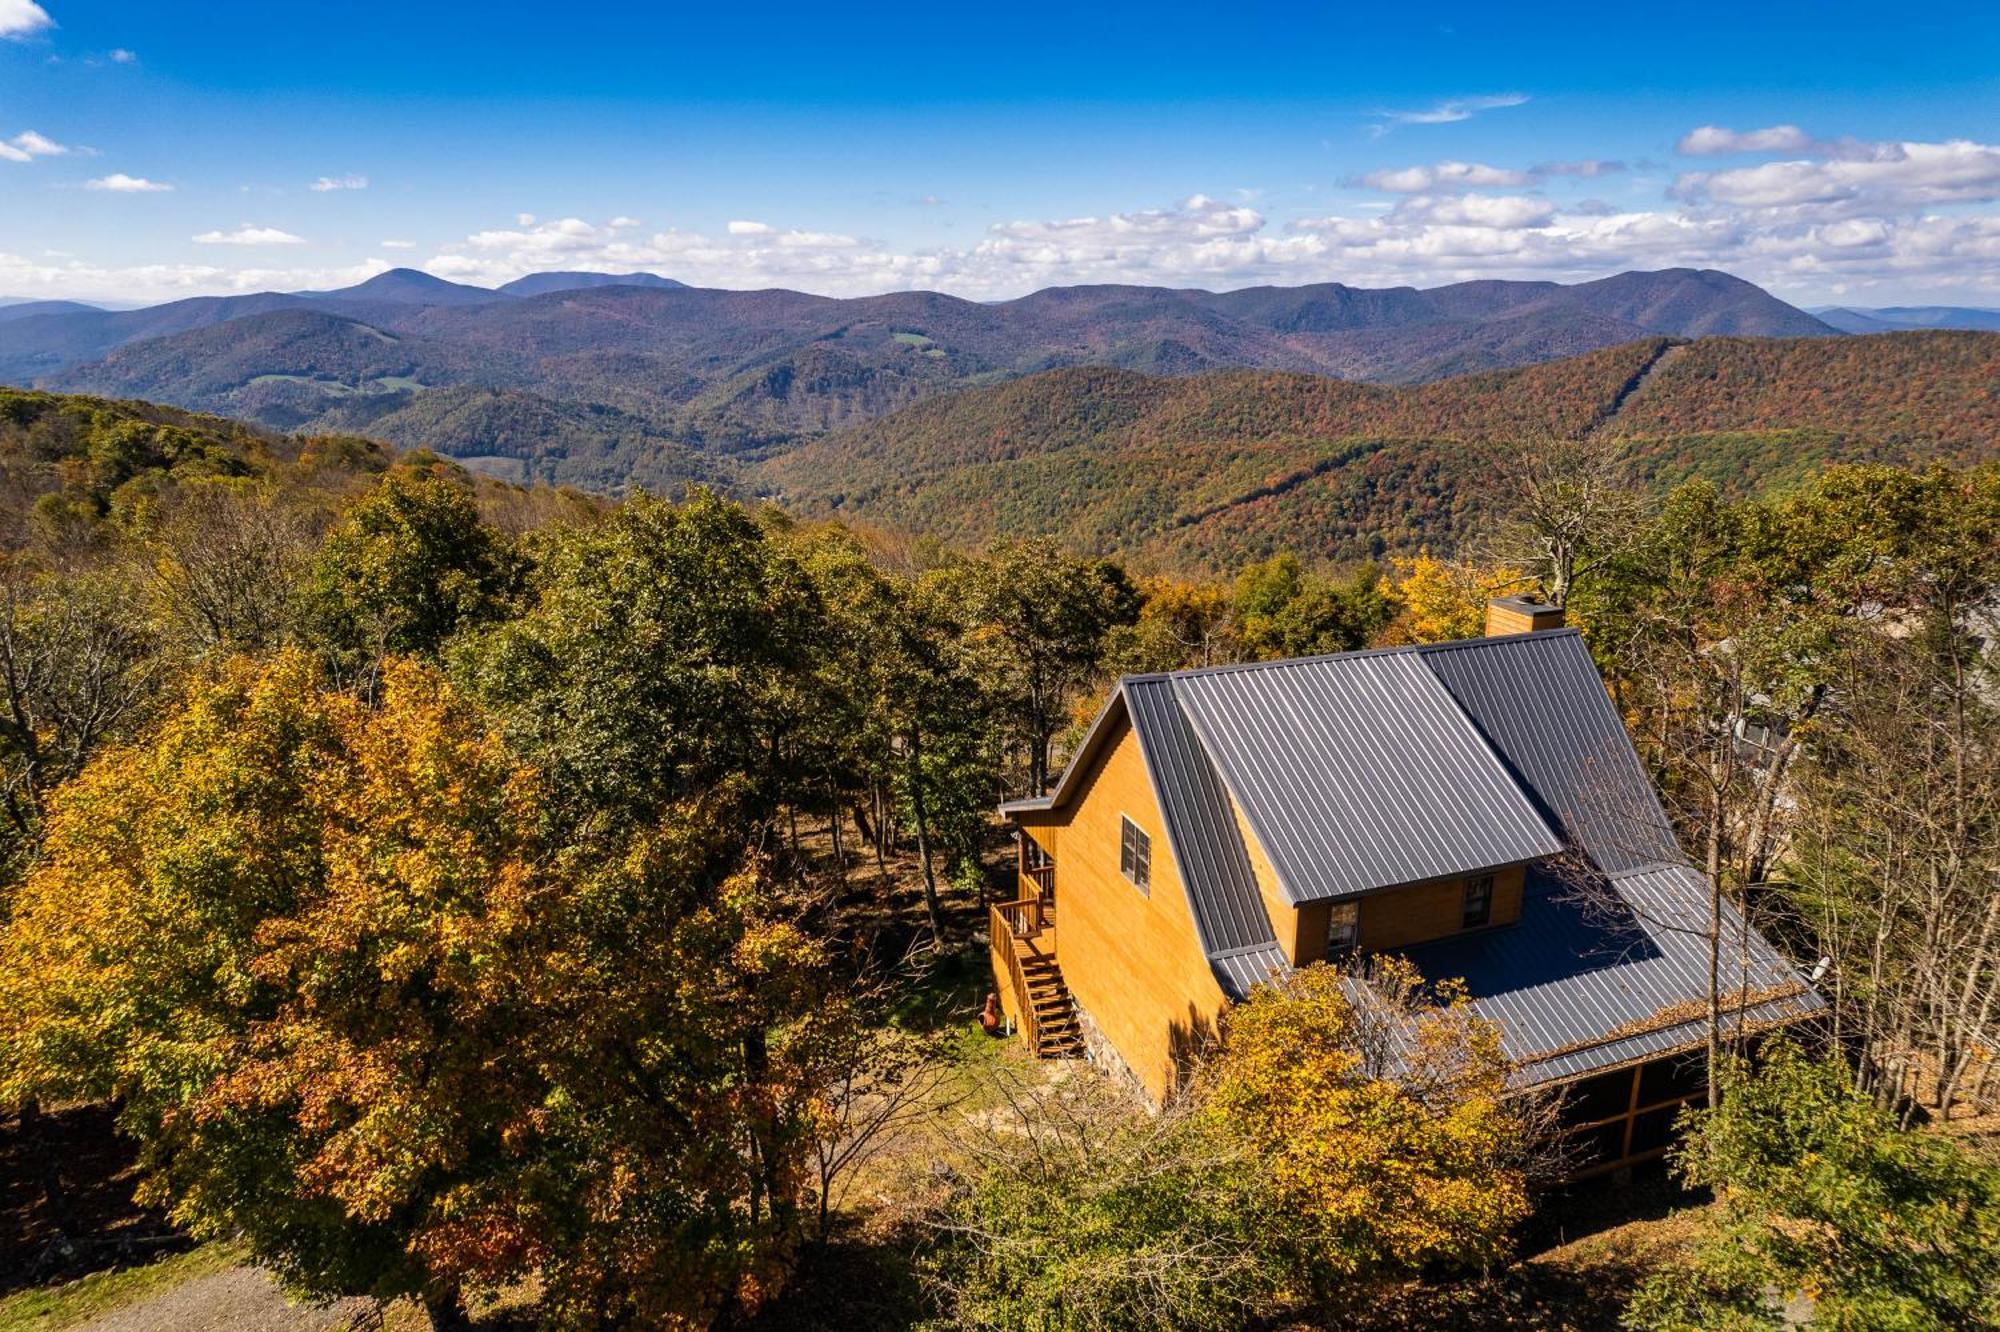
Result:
{"points": [[357, 1008]]}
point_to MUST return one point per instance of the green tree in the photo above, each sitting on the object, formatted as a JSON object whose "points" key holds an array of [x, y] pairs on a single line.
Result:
{"points": [[1042, 620], [1084, 1212], [409, 565], [654, 661], [81, 667], [1820, 1195], [1286, 611]]}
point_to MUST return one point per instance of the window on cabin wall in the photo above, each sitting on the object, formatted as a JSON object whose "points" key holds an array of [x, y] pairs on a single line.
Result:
{"points": [[1343, 928], [1135, 854], [1478, 903]]}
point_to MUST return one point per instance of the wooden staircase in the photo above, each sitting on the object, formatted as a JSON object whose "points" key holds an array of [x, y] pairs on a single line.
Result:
{"points": [[1024, 960], [1055, 1030]]}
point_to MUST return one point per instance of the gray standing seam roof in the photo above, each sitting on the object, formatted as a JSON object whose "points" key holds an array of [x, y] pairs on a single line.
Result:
{"points": [[1602, 972], [1540, 701], [1369, 770], [1206, 842], [1360, 772]]}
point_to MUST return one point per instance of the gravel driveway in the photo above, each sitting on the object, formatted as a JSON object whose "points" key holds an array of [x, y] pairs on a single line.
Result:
{"points": [[236, 1299]]}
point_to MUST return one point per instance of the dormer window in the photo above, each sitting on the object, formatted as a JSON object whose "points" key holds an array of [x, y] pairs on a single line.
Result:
{"points": [[1343, 928], [1135, 854], [1478, 903]]}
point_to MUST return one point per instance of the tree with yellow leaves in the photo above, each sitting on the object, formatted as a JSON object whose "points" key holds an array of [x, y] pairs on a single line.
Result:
{"points": [[1446, 599], [1379, 1110], [1352, 1129], [356, 1007]]}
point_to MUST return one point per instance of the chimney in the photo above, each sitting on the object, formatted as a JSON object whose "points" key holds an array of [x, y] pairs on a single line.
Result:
{"points": [[1520, 615]]}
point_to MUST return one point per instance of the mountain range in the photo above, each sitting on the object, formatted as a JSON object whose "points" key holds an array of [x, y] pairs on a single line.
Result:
{"points": [[605, 380], [1897, 318]]}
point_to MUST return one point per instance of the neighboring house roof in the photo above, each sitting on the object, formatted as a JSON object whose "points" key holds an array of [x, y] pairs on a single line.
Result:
{"points": [[1365, 770]]}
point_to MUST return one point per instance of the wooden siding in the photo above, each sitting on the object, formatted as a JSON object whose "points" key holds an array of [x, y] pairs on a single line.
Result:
{"points": [[1395, 918], [1132, 960], [1509, 615], [1426, 911]]}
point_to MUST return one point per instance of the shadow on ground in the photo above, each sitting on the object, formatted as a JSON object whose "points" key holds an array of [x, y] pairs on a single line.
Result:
{"points": [[66, 1204]]}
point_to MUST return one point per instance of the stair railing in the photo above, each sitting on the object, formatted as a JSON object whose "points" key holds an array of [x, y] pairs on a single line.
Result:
{"points": [[1010, 923]]}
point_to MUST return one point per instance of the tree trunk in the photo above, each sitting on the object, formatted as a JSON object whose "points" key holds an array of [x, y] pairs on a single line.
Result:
{"points": [[833, 828], [931, 902], [446, 1307], [47, 1174]]}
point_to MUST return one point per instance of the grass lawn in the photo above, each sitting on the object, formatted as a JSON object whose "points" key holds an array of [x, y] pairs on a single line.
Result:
{"points": [[49, 1307]]}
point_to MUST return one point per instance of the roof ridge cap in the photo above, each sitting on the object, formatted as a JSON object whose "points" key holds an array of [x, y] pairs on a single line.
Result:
{"points": [[1354, 654]]}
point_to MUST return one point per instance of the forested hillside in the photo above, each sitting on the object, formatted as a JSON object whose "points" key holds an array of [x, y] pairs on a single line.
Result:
{"points": [[625, 367], [1215, 469]]}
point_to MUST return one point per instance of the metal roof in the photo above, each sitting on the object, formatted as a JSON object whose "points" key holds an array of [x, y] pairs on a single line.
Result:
{"points": [[1367, 770], [1541, 703], [1206, 842], [1360, 772], [1604, 970]]}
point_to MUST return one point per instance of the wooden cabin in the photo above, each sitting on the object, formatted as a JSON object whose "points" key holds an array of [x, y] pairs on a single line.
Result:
{"points": [[1475, 806]]}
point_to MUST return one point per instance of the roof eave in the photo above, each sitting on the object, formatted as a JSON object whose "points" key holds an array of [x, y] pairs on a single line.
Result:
{"points": [[1093, 740]]}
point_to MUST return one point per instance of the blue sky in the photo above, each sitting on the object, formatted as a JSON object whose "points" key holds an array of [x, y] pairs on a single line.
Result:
{"points": [[1832, 152]]}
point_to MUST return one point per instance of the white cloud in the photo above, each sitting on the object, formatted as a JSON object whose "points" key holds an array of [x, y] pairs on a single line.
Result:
{"points": [[249, 234], [20, 18], [1870, 176], [1502, 212], [64, 276], [120, 183], [1422, 239], [1447, 112], [1476, 175], [1710, 140], [1906, 221], [1417, 179], [399, 245], [326, 184], [30, 144], [524, 219], [121, 56]]}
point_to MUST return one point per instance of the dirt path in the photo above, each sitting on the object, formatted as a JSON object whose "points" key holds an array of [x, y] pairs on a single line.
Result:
{"points": [[236, 1299]]}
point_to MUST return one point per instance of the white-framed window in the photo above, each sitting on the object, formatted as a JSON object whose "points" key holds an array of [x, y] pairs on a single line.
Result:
{"points": [[1343, 928], [1135, 854], [1478, 903]]}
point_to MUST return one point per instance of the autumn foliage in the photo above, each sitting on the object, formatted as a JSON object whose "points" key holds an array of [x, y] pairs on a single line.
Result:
{"points": [[1380, 1114], [356, 1009], [1351, 1131]]}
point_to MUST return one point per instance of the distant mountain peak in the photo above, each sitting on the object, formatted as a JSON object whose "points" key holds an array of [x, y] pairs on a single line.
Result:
{"points": [[410, 286], [540, 284]]}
